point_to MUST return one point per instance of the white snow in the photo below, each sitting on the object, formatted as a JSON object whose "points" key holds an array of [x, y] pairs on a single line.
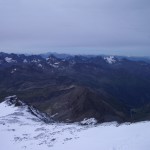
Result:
{"points": [[13, 70], [110, 59], [9, 60], [21, 130], [55, 65], [40, 65], [91, 121], [50, 58], [52, 62], [35, 60], [25, 61]]}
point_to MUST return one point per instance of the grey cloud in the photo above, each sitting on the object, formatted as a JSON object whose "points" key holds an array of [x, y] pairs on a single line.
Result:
{"points": [[75, 25]]}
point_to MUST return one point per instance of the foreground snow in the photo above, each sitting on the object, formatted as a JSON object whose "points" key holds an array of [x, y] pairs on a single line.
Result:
{"points": [[19, 129]]}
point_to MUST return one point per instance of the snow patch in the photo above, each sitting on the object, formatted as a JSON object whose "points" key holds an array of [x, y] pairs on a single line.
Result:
{"points": [[91, 121], [35, 60], [9, 60], [56, 63], [25, 61], [40, 65], [52, 61], [13, 70], [110, 59]]}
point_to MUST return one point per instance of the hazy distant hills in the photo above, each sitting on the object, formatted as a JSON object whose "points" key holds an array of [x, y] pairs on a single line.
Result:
{"points": [[72, 88]]}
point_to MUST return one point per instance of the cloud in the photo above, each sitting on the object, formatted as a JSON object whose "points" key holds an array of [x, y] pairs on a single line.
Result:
{"points": [[74, 24]]}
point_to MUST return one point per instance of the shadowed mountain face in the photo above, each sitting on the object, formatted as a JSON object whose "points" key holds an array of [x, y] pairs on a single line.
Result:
{"points": [[80, 103], [78, 87]]}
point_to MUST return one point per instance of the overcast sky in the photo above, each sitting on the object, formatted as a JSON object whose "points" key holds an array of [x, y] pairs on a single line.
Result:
{"points": [[75, 26]]}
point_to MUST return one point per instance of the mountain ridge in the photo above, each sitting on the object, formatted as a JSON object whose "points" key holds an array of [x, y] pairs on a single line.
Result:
{"points": [[14, 101], [121, 84]]}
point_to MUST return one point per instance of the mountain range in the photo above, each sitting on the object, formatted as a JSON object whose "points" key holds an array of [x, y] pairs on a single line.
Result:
{"points": [[72, 88]]}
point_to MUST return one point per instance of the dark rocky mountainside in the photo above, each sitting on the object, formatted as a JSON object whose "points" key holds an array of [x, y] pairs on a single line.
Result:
{"points": [[72, 88]]}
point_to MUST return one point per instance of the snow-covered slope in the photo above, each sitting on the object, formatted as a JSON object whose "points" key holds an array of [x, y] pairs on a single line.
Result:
{"points": [[21, 129], [14, 101]]}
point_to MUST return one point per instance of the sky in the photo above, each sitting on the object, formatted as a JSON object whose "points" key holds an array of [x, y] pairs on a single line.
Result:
{"points": [[120, 27]]}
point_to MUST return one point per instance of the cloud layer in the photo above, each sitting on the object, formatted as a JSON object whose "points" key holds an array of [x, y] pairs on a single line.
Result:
{"points": [[75, 25]]}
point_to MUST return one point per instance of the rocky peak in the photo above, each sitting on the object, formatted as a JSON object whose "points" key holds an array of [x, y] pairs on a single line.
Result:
{"points": [[13, 100]]}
